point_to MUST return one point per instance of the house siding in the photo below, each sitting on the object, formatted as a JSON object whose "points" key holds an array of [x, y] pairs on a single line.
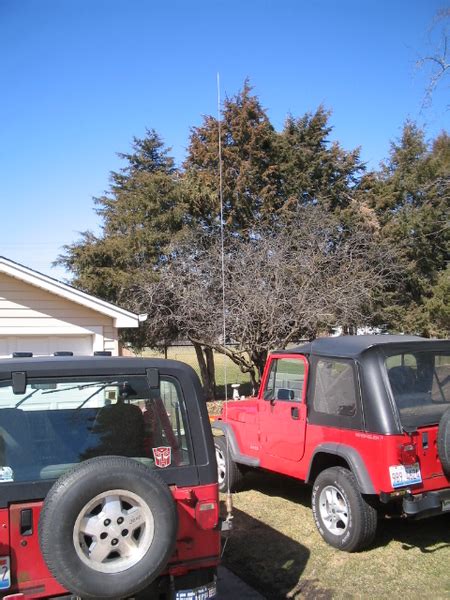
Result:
{"points": [[27, 310]]}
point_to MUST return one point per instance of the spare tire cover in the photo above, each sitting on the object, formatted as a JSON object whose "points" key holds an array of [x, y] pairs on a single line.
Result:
{"points": [[108, 527], [444, 441]]}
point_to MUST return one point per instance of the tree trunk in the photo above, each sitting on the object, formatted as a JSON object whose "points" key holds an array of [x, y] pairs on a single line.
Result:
{"points": [[208, 385], [255, 382], [259, 360], [211, 369]]}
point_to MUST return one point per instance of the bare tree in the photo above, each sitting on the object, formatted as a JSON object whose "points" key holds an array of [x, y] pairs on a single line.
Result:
{"points": [[438, 61], [282, 284]]}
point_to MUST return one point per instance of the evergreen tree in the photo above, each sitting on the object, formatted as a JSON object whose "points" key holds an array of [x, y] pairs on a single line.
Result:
{"points": [[140, 213], [315, 170], [251, 182], [411, 202]]}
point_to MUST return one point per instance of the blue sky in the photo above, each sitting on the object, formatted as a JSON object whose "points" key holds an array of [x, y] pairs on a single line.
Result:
{"points": [[80, 78]]}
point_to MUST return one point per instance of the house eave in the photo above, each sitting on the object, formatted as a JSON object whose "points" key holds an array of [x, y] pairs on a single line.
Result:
{"points": [[121, 317]]}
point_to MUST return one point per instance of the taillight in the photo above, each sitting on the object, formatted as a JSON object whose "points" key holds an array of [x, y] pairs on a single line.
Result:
{"points": [[408, 454], [207, 514]]}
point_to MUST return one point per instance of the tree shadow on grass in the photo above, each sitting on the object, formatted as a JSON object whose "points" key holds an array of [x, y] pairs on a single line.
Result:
{"points": [[269, 561], [429, 535]]}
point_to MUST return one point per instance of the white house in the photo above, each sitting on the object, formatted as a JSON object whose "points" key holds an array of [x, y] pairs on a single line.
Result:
{"points": [[42, 315]]}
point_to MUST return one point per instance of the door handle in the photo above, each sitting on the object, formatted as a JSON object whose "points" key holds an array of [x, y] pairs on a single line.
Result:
{"points": [[294, 412], [26, 521]]}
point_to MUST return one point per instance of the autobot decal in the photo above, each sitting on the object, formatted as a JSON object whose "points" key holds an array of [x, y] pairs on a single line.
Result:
{"points": [[163, 456]]}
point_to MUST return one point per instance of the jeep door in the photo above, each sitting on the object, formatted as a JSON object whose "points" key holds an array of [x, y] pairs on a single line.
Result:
{"points": [[283, 408]]}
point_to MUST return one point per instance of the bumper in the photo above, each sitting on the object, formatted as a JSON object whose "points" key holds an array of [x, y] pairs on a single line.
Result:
{"points": [[197, 585], [427, 504], [200, 584]]}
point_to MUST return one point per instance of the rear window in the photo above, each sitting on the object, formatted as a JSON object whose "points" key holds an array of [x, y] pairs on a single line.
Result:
{"points": [[56, 424], [420, 385]]}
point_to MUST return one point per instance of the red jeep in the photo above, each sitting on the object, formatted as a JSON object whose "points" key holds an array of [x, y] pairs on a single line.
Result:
{"points": [[364, 419], [108, 480]]}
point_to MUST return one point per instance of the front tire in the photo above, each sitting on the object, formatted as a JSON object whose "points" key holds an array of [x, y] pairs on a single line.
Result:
{"points": [[343, 517], [229, 473]]}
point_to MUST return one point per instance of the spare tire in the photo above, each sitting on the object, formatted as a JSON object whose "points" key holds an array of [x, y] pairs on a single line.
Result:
{"points": [[108, 527], [444, 441]]}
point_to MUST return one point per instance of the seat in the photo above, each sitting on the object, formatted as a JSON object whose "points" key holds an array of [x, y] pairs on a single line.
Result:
{"points": [[402, 379], [159, 430], [117, 430], [16, 443]]}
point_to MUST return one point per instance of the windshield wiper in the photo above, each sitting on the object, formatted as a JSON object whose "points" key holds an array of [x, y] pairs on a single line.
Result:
{"points": [[82, 386], [26, 398], [94, 394]]}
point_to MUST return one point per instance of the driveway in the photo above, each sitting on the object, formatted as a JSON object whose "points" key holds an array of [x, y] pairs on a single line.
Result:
{"points": [[230, 587]]}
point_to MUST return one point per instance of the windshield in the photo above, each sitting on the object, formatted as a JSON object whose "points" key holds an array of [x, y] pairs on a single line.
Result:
{"points": [[56, 424], [420, 384]]}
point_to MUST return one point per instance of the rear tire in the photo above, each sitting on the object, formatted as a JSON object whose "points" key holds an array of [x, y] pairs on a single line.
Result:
{"points": [[444, 441], [343, 517], [108, 528], [229, 473]]}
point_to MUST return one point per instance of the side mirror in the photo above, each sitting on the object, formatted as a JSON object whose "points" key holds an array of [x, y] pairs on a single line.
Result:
{"points": [[285, 394]]}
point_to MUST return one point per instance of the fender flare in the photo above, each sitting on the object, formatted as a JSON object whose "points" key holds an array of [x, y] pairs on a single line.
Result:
{"points": [[354, 460], [235, 452]]}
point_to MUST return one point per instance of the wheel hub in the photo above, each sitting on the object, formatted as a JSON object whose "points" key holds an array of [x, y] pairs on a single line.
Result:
{"points": [[113, 531], [221, 465], [334, 510]]}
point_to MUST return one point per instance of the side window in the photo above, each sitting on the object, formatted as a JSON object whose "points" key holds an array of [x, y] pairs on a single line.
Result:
{"points": [[285, 381], [335, 390], [166, 422], [401, 360], [174, 407]]}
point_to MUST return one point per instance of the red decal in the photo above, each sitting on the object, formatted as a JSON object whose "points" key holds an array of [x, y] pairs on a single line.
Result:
{"points": [[162, 456]]}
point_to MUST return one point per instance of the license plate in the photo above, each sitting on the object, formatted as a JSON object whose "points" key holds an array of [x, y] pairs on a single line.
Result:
{"points": [[402, 475], [5, 573], [446, 504], [204, 592]]}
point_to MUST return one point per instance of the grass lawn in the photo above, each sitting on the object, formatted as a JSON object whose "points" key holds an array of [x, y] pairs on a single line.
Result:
{"points": [[276, 548], [187, 354]]}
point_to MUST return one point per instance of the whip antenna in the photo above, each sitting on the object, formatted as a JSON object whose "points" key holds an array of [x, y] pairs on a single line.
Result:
{"points": [[229, 500], [222, 235]]}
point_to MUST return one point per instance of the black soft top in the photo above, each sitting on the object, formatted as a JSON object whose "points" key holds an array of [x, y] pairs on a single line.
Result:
{"points": [[46, 366], [201, 472], [352, 346]]}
